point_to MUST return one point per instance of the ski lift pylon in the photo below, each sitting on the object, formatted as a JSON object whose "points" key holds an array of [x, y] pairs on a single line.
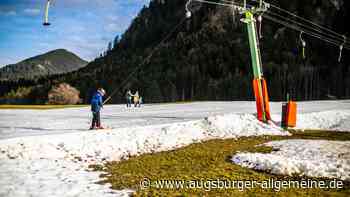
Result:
{"points": [[46, 16]]}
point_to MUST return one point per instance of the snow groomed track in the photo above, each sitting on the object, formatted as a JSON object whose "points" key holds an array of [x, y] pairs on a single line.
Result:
{"points": [[47, 153]]}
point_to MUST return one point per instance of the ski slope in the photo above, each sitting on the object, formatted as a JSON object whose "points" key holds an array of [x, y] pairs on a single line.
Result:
{"points": [[47, 152], [17, 123]]}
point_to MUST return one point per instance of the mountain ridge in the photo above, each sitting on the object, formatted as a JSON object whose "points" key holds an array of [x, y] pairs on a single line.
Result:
{"points": [[58, 61]]}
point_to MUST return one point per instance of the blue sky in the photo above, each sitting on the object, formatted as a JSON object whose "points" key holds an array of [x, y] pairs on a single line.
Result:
{"points": [[82, 26]]}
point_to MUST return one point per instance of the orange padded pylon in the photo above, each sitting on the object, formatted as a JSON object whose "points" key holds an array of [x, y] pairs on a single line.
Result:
{"points": [[258, 100], [266, 100], [291, 118], [262, 99]]}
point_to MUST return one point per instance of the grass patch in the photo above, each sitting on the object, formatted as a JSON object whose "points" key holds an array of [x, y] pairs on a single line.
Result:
{"points": [[209, 161], [319, 134], [40, 107]]}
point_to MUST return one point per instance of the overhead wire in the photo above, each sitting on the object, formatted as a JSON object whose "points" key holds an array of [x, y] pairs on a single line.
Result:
{"points": [[320, 35], [155, 49], [311, 31], [305, 29], [330, 38], [296, 28], [340, 39], [306, 20], [228, 4], [335, 37], [303, 19]]}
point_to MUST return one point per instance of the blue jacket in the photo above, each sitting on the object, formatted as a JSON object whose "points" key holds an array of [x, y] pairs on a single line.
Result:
{"points": [[96, 102]]}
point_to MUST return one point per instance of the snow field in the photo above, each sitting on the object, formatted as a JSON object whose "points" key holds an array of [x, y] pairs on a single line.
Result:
{"points": [[327, 120], [20, 123], [51, 164], [47, 153], [102, 145], [313, 158]]}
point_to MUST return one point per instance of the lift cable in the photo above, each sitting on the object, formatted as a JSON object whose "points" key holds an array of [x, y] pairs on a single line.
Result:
{"points": [[299, 29], [303, 19], [309, 24], [340, 39], [310, 31], [297, 26]]}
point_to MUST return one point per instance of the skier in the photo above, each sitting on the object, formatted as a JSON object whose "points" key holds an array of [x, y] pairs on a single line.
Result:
{"points": [[136, 98], [96, 105], [128, 97]]}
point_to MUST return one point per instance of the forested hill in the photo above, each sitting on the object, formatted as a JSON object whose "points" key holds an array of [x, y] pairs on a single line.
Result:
{"points": [[207, 57], [54, 62]]}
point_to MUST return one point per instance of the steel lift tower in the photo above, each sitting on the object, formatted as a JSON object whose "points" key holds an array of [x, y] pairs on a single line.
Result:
{"points": [[251, 15]]}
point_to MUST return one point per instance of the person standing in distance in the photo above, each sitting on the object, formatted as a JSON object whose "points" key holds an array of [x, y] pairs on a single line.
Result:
{"points": [[128, 98], [96, 106]]}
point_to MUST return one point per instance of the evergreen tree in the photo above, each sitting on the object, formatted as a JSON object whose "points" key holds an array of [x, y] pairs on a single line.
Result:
{"points": [[116, 41]]}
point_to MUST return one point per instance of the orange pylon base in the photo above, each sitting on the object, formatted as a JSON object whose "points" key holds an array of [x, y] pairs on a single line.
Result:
{"points": [[291, 119], [262, 99]]}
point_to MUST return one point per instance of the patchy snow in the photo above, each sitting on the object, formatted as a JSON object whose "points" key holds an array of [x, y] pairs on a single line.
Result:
{"points": [[313, 158], [47, 152], [48, 165], [328, 120], [97, 146], [50, 177]]}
